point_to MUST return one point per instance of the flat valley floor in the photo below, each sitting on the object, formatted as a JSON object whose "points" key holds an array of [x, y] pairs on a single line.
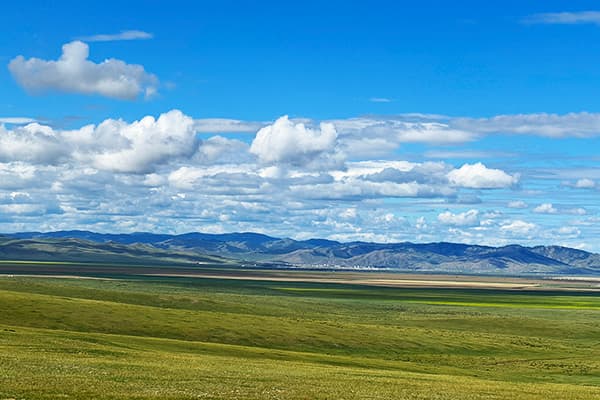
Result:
{"points": [[202, 333]]}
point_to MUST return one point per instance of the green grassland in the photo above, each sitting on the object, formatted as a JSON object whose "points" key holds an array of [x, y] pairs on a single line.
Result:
{"points": [[192, 338]]}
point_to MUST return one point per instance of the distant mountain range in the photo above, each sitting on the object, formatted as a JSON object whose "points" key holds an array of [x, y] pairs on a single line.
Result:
{"points": [[314, 253]]}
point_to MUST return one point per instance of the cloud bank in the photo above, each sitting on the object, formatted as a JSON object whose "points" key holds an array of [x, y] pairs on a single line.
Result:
{"points": [[341, 179]]}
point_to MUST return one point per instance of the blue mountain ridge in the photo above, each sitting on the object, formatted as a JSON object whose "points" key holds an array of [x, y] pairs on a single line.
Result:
{"points": [[405, 256]]}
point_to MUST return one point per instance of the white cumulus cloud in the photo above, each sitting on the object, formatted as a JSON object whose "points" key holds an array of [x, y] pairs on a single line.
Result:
{"points": [[146, 142], [517, 204], [33, 143], [73, 72], [585, 184], [545, 208], [287, 142], [518, 227], [478, 176], [467, 218]]}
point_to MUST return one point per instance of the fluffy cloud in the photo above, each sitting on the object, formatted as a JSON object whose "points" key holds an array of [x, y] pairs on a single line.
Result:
{"points": [[73, 72], [380, 179], [517, 204], [426, 173], [570, 231], [478, 176], [357, 189], [548, 208], [287, 142], [585, 184], [467, 218], [381, 136], [518, 228], [224, 177], [360, 136], [17, 175], [576, 211], [23, 209], [147, 142], [545, 208], [113, 145], [218, 149], [33, 143]]}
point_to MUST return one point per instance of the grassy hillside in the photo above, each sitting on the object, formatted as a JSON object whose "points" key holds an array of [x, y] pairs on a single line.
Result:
{"points": [[184, 338], [78, 250]]}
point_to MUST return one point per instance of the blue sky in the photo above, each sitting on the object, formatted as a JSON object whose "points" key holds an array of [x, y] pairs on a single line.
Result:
{"points": [[456, 121]]}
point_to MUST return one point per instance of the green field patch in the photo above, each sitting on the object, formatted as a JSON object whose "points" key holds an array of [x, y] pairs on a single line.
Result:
{"points": [[346, 292], [580, 306]]}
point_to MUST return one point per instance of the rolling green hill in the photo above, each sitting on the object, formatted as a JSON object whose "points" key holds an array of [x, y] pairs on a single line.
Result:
{"points": [[79, 250]]}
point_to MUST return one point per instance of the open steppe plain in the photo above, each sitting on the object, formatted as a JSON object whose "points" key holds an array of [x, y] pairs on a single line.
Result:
{"points": [[229, 333]]}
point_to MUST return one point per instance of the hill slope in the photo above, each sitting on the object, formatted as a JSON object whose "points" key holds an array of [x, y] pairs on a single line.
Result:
{"points": [[79, 250]]}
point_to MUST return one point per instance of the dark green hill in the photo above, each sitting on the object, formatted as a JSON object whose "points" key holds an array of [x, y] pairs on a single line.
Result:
{"points": [[78, 250]]}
